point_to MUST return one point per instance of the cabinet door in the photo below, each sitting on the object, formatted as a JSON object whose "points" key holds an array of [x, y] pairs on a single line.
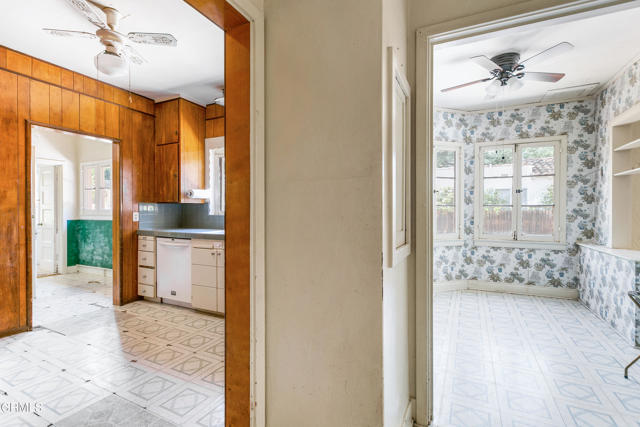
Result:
{"points": [[167, 122], [167, 173]]}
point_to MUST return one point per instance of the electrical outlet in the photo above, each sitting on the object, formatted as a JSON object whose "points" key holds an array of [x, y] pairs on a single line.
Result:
{"points": [[136, 217]]}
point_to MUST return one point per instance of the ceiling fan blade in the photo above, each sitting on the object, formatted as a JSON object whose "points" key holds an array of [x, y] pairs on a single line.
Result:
{"points": [[69, 33], [485, 62], [133, 55], [162, 39], [548, 53], [89, 12], [466, 84], [543, 77]]}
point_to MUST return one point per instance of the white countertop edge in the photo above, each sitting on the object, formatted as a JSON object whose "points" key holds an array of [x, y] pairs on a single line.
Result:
{"points": [[629, 254]]}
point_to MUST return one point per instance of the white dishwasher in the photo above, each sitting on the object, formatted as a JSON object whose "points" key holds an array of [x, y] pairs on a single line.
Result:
{"points": [[173, 269]]}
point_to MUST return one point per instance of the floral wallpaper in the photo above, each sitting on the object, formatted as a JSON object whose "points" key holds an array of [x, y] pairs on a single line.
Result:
{"points": [[605, 281], [557, 268], [618, 96]]}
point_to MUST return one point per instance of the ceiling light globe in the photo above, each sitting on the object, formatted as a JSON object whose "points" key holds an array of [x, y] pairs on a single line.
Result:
{"points": [[111, 64]]}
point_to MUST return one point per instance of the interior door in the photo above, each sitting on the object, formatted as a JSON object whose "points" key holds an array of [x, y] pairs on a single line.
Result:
{"points": [[45, 220]]}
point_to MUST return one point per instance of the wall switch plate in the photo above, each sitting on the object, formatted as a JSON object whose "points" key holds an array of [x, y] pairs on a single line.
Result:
{"points": [[136, 217]]}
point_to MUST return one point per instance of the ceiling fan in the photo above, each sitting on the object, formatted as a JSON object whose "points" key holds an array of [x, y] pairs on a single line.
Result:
{"points": [[508, 71], [118, 52]]}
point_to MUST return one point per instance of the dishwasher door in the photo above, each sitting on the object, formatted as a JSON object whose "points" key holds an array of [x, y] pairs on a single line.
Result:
{"points": [[173, 269]]}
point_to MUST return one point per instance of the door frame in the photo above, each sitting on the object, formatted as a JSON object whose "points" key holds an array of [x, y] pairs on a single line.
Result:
{"points": [[116, 209], [57, 183], [427, 37]]}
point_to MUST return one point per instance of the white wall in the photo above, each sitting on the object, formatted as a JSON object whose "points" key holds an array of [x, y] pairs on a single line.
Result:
{"points": [[398, 306], [323, 213]]}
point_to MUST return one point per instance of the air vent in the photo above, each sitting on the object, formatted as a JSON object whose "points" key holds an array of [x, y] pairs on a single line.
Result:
{"points": [[567, 93]]}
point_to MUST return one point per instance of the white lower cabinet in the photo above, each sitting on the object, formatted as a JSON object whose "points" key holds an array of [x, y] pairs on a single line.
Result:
{"points": [[146, 266], [207, 275]]}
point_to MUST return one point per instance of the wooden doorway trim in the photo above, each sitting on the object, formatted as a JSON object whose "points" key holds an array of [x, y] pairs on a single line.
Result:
{"points": [[116, 218], [243, 24]]}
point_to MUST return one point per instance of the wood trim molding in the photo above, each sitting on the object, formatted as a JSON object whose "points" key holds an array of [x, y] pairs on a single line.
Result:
{"points": [[41, 71]]}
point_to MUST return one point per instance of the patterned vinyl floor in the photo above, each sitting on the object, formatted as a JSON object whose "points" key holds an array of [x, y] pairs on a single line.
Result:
{"points": [[89, 363], [512, 360]]}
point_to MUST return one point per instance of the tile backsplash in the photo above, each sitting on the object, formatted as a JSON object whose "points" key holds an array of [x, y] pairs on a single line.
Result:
{"points": [[178, 215]]}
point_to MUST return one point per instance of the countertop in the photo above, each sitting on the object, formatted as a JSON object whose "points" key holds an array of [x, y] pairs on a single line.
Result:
{"points": [[629, 254], [184, 233]]}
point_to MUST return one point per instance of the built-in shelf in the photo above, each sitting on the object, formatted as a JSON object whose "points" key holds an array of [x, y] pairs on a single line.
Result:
{"points": [[628, 172], [629, 145]]}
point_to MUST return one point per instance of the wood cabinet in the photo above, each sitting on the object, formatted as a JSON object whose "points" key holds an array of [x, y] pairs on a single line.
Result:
{"points": [[167, 122], [179, 153]]}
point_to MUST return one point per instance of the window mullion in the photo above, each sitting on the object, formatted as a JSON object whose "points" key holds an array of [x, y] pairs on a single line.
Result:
{"points": [[517, 193]]}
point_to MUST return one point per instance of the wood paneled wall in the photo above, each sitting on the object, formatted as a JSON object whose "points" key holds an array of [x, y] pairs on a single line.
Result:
{"points": [[214, 120], [31, 89]]}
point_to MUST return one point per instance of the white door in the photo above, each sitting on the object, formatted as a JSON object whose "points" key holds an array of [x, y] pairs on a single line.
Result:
{"points": [[46, 220]]}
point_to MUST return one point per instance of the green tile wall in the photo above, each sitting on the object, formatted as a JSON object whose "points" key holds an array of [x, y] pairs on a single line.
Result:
{"points": [[89, 242]]}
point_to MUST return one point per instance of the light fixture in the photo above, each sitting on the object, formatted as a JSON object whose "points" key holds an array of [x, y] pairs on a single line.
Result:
{"points": [[111, 63], [493, 88], [514, 83]]}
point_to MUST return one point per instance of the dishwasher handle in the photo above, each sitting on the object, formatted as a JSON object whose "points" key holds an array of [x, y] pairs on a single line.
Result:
{"points": [[174, 244]]}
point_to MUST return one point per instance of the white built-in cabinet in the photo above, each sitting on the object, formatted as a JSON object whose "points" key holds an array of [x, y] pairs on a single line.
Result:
{"points": [[147, 266], [207, 275], [625, 182]]}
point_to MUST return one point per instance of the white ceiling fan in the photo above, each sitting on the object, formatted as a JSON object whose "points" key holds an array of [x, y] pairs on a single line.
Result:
{"points": [[118, 52], [508, 71]]}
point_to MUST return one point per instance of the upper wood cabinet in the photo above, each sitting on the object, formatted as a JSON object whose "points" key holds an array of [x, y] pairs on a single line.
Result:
{"points": [[167, 122], [179, 154]]}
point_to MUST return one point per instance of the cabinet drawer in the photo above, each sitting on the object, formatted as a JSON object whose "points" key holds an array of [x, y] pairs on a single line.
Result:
{"points": [[147, 276], [147, 245], [203, 256], [220, 257], [146, 259], [207, 244], [220, 278], [146, 290], [204, 298], [203, 275], [220, 300], [152, 238]]}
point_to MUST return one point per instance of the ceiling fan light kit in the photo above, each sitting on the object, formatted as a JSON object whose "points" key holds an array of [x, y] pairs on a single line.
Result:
{"points": [[117, 53], [508, 72]]}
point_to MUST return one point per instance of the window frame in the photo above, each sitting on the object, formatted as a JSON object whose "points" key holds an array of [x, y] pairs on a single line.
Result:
{"points": [[457, 236], [97, 212], [521, 240]]}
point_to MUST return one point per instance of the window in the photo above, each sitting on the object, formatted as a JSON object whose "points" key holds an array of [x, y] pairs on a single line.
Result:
{"points": [[217, 181], [520, 192], [96, 188], [447, 190]]}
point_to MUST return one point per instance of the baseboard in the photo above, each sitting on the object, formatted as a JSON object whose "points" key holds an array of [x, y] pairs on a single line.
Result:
{"points": [[509, 288], [89, 269]]}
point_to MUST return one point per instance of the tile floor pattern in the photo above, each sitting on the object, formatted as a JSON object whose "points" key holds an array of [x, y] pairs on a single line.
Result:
{"points": [[89, 363], [512, 360]]}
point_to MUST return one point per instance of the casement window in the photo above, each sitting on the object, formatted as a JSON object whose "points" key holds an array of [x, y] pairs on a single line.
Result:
{"points": [[96, 188], [447, 192], [520, 193]]}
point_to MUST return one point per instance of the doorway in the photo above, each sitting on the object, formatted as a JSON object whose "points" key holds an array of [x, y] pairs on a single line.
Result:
{"points": [[72, 195], [461, 313], [46, 217]]}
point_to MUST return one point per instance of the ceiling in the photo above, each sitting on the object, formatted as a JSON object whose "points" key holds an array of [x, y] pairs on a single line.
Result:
{"points": [[194, 69], [603, 45]]}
